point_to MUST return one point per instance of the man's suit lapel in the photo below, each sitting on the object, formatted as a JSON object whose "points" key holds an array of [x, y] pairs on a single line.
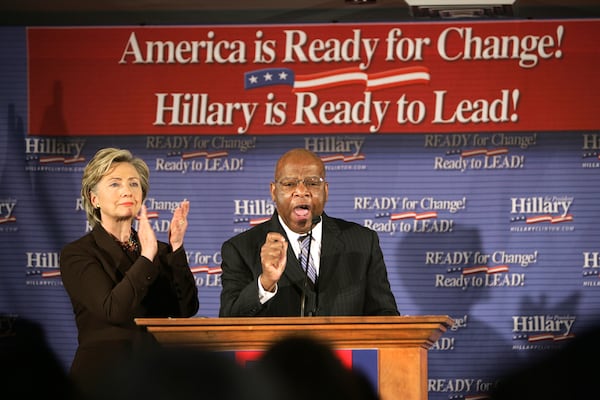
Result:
{"points": [[331, 251]]}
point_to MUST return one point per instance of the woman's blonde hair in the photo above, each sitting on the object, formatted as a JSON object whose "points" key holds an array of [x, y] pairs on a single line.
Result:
{"points": [[98, 167]]}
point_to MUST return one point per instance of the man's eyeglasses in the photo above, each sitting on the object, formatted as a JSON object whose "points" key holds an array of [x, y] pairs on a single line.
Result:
{"points": [[290, 184]]}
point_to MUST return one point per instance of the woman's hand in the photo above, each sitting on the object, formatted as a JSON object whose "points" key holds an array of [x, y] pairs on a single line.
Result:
{"points": [[179, 225], [146, 236]]}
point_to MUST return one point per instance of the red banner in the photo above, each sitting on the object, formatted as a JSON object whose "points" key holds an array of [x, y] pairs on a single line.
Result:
{"points": [[325, 78]]}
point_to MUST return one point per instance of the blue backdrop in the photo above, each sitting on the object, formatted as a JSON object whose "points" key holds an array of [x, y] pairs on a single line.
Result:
{"points": [[501, 237]]}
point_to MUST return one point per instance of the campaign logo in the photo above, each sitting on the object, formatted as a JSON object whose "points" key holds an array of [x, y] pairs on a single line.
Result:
{"points": [[52, 154], [534, 214], [251, 212], [338, 153], [7, 217], [591, 268], [541, 331], [42, 268], [591, 151]]}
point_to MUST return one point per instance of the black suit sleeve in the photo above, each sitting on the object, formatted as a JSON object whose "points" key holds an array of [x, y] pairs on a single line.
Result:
{"points": [[240, 272], [379, 299]]}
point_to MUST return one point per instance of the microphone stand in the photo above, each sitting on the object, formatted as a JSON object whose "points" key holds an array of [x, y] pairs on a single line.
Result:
{"points": [[314, 222]]}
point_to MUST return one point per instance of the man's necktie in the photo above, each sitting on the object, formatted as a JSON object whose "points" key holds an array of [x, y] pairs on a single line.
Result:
{"points": [[312, 272]]}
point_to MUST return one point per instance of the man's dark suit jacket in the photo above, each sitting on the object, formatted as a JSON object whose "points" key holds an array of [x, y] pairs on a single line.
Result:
{"points": [[108, 289], [352, 276]]}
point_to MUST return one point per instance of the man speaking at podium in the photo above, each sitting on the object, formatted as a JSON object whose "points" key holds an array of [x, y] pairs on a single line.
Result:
{"points": [[302, 262]]}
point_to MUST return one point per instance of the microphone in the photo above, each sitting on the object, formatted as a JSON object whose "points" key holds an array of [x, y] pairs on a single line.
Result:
{"points": [[313, 223]]}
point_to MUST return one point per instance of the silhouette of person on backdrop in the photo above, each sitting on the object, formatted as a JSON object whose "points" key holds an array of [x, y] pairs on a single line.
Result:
{"points": [[263, 276], [473, 346], [115, 274], [54, 122]]}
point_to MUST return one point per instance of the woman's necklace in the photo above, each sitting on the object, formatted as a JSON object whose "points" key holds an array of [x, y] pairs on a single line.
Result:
{"points": [[132, 245]]}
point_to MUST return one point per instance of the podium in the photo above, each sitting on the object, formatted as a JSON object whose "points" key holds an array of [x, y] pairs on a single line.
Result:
{"points": [[401, 342]]}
